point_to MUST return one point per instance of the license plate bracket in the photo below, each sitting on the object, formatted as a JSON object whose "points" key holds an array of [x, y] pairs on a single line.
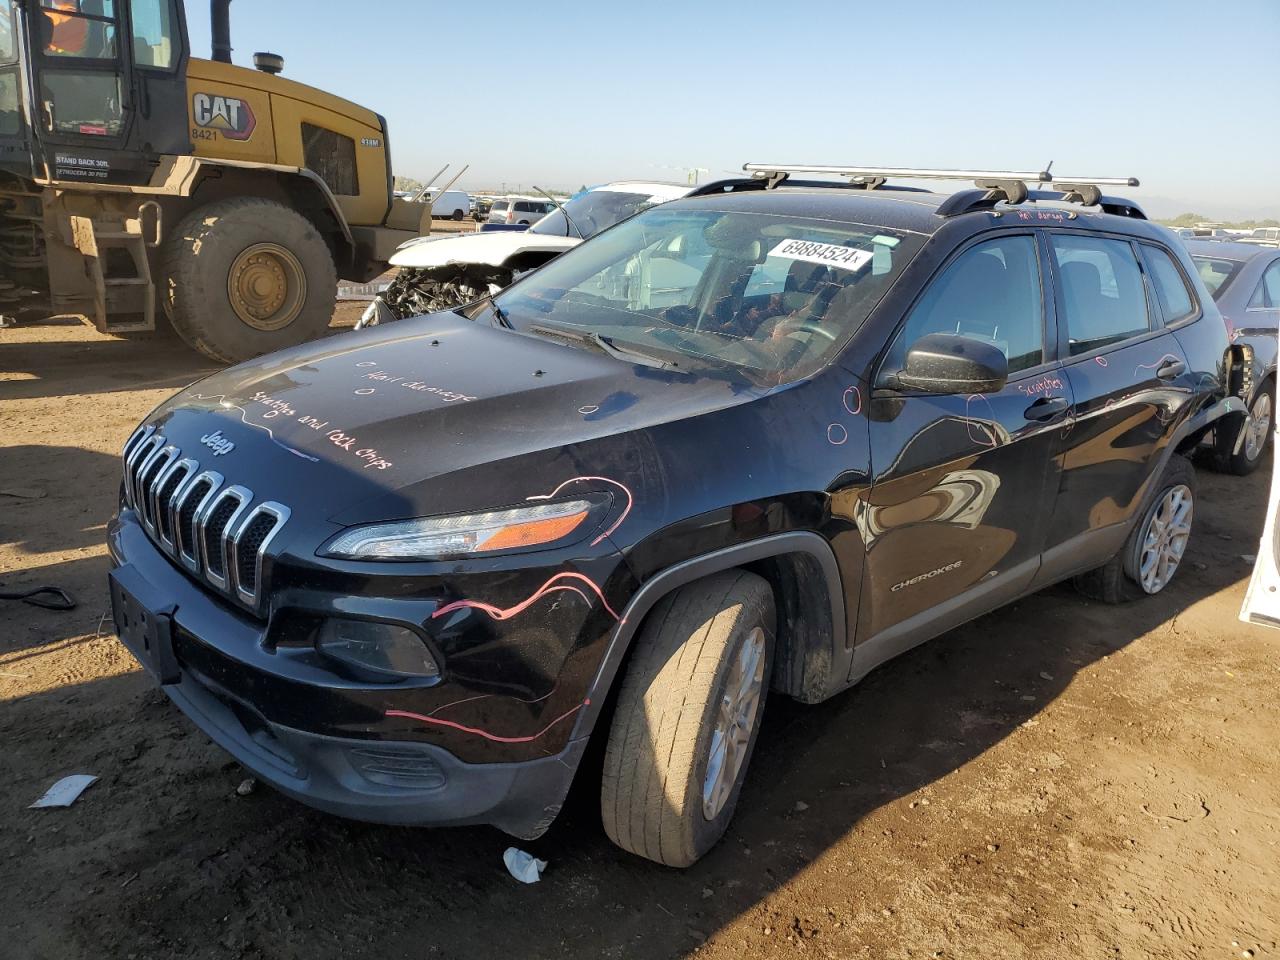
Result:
{"points": [[144, 623]]}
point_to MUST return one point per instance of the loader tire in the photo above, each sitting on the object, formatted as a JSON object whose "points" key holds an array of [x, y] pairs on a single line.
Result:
{"points": [[246, 276]]}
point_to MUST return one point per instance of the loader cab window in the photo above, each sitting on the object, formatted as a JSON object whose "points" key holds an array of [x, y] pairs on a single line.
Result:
{"points": [[80, 82], [8, 37], [155, 35], [9, 117], [79, 28]]}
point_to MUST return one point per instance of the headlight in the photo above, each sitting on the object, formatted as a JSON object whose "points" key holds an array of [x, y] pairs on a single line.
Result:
{"points": [[439, 538], [382, 649]]}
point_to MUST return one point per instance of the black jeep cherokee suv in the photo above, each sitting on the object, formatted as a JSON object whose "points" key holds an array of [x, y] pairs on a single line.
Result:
{"points": [[760, 440]]}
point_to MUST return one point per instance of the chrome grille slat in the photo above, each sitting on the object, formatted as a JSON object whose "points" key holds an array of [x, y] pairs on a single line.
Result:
{"points": [[201, 491], [150, 481], [279, 514], [140, 479], [215, 531], [134, 463], [169, 485], [215, 522]]}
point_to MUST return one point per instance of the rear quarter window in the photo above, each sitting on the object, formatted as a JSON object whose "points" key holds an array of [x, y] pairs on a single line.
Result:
{"points": [[1176, 301]]}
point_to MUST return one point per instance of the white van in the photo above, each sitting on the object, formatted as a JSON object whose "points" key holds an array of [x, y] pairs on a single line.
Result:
{"points": [[450, 205]]}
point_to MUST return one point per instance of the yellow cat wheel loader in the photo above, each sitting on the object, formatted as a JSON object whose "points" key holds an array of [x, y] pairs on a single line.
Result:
{"points": [[138, 180]]}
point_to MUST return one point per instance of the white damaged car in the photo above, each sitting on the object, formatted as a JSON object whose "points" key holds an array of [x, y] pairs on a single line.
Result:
{"points": [[440, 272]]}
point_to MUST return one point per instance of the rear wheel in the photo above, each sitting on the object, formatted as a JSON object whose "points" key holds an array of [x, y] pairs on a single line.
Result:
{"points": [[687, 718], [246, 276], [1155, 548], [1238, 448]]}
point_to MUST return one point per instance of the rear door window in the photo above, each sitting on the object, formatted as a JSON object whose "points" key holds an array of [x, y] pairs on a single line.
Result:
{"points": [[1215, 272], [1104, 300], [1171, 288]]}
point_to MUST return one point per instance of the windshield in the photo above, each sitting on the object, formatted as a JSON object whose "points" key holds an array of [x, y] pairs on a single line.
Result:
{"points": [[771, 296], [592, 212], [1215, 272]]}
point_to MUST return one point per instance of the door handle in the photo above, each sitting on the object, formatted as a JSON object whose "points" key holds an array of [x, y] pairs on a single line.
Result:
{"points": [[1170, 369], [1046, 408]]}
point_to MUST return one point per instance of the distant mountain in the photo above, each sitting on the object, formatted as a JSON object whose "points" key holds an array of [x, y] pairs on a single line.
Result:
{"points": [[1166, 208]]}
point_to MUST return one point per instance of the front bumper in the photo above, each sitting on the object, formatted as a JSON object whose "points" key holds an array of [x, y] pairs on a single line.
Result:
{"points": [[371, 778]]}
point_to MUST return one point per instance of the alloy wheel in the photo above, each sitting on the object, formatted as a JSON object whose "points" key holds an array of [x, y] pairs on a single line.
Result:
{"points": [[1165, 539], [735, 721], [1257, 426]]}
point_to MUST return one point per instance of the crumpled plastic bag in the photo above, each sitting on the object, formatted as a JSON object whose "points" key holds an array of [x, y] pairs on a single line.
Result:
{"points": [[523, 866], [66, 791]]}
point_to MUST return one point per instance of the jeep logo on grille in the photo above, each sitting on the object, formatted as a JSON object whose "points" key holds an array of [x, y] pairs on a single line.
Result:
{"points": [[217, 443]]}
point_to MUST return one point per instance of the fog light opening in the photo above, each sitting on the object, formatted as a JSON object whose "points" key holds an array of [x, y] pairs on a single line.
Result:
{"points": [[383, 651]]}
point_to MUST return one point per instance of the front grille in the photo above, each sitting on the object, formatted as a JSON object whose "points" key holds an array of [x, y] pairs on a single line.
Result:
{"points": [[217, 532]]}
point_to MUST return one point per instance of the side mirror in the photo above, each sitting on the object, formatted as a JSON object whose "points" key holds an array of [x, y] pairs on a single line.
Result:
{"points": [[950, 363]]}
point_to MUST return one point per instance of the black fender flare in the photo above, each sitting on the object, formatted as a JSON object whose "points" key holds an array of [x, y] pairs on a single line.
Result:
{"points": [[1198, 422], [687, 571]]}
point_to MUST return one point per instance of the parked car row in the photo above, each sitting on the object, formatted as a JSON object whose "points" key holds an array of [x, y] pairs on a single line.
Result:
{"points": [[763, 437], [1244, 280]]}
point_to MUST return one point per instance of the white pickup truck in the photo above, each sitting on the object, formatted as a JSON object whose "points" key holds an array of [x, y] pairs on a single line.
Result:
{"points": [[439, 272]]}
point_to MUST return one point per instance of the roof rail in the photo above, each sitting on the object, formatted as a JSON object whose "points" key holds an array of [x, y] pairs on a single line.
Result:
{"points": [[994, 186]]}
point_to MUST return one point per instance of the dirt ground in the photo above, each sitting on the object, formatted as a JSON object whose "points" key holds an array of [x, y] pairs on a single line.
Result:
{"points": [[1057, 779]]}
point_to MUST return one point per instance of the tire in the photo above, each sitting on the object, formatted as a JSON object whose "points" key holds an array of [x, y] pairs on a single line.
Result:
{"points": [[661, 739], [259, 240], [1256, 426], [457, 215], [1121, 578]]}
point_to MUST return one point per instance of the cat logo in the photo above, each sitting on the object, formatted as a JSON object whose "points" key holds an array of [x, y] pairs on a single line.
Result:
{"points": [[231, 117]]}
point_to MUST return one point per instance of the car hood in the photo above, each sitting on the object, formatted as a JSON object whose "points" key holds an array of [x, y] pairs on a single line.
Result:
{"points": [[423, 416], [493, 249]]}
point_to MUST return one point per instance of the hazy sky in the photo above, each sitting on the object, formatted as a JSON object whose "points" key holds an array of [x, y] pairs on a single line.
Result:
{"points": [[1183, 94]]}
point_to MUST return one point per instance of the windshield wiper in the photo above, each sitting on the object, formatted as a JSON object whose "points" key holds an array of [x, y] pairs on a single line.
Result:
{"points": [[499, 315], [602, 343]]}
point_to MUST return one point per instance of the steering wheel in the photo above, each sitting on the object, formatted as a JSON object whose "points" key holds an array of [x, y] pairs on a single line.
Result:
{"points": [[789, 328]]}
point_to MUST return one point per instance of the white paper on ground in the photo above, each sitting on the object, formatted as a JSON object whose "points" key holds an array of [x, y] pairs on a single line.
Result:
{"points": [[66, 791], [523, 866]]}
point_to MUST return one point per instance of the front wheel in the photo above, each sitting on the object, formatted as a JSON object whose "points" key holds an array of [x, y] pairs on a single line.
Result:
{"points": [[1155, 548], [246, 276], [457, 214], [687, 718]]}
